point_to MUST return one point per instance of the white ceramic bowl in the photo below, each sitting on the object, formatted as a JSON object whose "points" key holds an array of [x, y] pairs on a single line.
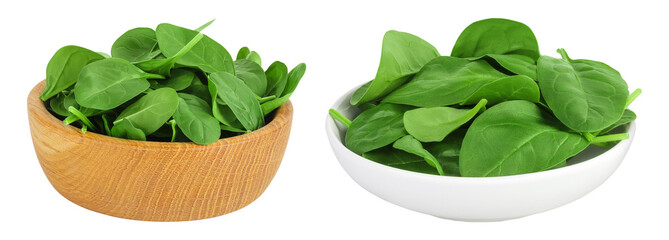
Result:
{"points": [[476, 199]]}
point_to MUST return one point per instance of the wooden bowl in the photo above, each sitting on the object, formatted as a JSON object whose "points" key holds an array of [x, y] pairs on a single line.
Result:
{"points": [[156, 181]]}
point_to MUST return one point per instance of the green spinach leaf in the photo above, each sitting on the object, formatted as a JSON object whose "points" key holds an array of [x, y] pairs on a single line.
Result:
{"points": [[411, 145], [402, 55], [108, 83], [496, 36], [376, 127], [444, 81], [252, 75], [151, 111], [136, 45], [207, 55], [63, 69], [434, 124], [293, 79], [518, 87], [516, 137], [193, 116], [585, 95], [239, 97]]}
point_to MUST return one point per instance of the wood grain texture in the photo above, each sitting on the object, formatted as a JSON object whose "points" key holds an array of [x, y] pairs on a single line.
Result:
{"points": [[156, 181]]}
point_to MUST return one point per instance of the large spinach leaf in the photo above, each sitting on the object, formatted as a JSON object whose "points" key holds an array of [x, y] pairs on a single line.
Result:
{"points": [[207, 55], [376, 127], [444, 81], [108, 83], [516, 137], [585, 95], [496, 36]]}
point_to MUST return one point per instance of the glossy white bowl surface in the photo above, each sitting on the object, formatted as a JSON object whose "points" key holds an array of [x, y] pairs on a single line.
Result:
{"points": [[476, 199]]}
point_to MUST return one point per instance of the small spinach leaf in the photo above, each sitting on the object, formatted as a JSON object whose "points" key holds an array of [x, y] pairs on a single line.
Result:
{"points": [[411, 145], [252, 75], [136, 45], [277, 75], [193, 116], [239, 98], [396, 158], [434, 124], [376, 127], [402, 55], [293, 79], [151, 111], [63, 69], [125, 129]]}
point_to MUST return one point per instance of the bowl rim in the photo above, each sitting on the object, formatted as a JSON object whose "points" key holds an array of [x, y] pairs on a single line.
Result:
{"points": [[331, 125], [36, 106]]}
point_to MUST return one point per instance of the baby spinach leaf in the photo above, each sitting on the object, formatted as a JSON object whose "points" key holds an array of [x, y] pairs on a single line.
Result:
{"points": [[243, 52], [277, 75], [402, 55], [179, 79], [207, 55], [496, 36], [444, 81], [221, 110], [163, 66], [136, 45], [63, 69], [585, 95], [239, 98], [514, 63], [151, 111], [434, 124], [376, 127], [396, 158], [108, 83], [293, 79], [516, 137], [411, 145], [125, 129], [193, 116], [57, 105], [252, 75], [518, 87]]}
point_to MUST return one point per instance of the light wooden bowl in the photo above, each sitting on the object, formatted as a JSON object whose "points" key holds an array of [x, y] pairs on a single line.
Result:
{"points": [[156, 181]]}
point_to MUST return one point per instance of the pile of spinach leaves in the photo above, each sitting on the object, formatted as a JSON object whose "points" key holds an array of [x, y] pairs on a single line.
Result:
{"points": [[494, 107], [167, 84]]}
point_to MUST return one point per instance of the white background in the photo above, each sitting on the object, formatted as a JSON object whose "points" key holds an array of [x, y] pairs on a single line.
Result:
{"points": [[311, 197]]}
